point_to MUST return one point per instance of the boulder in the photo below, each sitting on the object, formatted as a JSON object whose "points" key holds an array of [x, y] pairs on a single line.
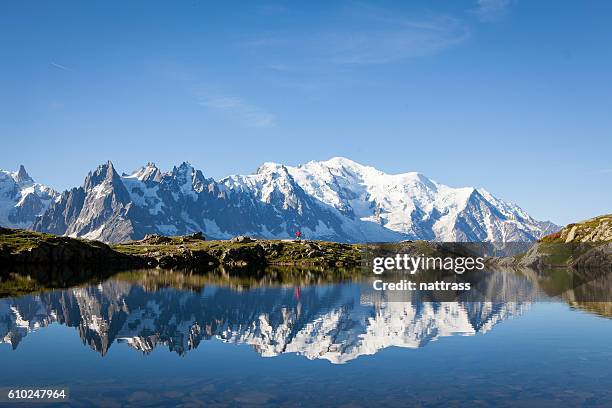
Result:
{"points": [[253, 255], [314, 253], [155, 239], [169, 261], [242, 239], [197, 235]]}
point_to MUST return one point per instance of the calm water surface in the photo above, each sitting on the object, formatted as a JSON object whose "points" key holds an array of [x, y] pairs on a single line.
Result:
{"points": [[136, 342]]}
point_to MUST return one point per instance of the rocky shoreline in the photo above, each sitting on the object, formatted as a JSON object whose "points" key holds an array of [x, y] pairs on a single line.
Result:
{"points": [[21, 247], [576, 246], [240, 252], [583, 245], [546, 255]]}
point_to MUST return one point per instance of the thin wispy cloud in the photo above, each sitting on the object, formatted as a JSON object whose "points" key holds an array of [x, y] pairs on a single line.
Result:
{"points": [[492, 10], [408, 39], [60, 66], [373, 36], [238, 109], [214, 98]]}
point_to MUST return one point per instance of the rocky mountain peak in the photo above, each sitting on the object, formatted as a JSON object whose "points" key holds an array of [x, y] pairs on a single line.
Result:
{"points": [[147, 173], [22, 175], [183, 168], [103, 173]]}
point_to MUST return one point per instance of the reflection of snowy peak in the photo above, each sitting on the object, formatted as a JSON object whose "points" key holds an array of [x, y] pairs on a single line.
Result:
{"points": [[327, 322], [336, 199], [21, 199]]}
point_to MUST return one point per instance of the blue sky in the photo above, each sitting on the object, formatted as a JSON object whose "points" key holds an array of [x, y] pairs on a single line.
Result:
{"points": [[513, 96]]}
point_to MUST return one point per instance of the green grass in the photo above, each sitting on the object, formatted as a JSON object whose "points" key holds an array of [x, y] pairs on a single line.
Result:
{"points": [[557, 254], [18, 240]]}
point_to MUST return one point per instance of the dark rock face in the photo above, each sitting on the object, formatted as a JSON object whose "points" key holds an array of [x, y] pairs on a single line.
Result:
{"points": [[30, 206], [63, 213], [598, 257], [22, 175], [67, 251], [197, 235], [252, 255], [572, 255]]}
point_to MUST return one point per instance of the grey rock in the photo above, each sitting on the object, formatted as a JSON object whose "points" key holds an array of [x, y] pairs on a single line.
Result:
{"points": [[22, 175], [197, 235], [242, 239], [156, 239]]}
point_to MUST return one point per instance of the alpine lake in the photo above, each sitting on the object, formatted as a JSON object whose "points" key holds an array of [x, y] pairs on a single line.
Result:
{"points": [[281, 337]]}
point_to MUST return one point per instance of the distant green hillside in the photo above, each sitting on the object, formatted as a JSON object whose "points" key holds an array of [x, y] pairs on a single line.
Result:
{"points": [[598, 229], [586, 244]]}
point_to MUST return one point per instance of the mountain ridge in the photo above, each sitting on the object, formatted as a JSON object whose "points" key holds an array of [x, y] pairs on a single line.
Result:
{"points": [[336, 200]]}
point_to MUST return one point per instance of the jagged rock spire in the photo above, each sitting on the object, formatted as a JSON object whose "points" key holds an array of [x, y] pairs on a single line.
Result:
{"points": [[104, 171], [22, 175]]}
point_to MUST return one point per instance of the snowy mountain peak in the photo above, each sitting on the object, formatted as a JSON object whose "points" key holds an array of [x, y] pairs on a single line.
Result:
{"points": [[22, 199], [270, 168], [150, 172], [339, 161], [414, 205]]}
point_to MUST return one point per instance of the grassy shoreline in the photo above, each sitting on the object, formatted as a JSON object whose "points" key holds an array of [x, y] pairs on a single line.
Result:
{"points": [[27, 247]]}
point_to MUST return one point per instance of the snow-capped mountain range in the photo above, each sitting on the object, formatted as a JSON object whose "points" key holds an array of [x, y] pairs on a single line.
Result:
{"points": [[330, 322], [337, 200], [21, 199]]}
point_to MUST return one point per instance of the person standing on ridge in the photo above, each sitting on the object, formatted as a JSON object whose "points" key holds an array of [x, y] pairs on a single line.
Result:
{"points": [[298, 235]]}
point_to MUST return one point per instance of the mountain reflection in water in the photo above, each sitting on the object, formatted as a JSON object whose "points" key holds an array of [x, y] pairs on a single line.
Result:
{"points": [[337, 322]]}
